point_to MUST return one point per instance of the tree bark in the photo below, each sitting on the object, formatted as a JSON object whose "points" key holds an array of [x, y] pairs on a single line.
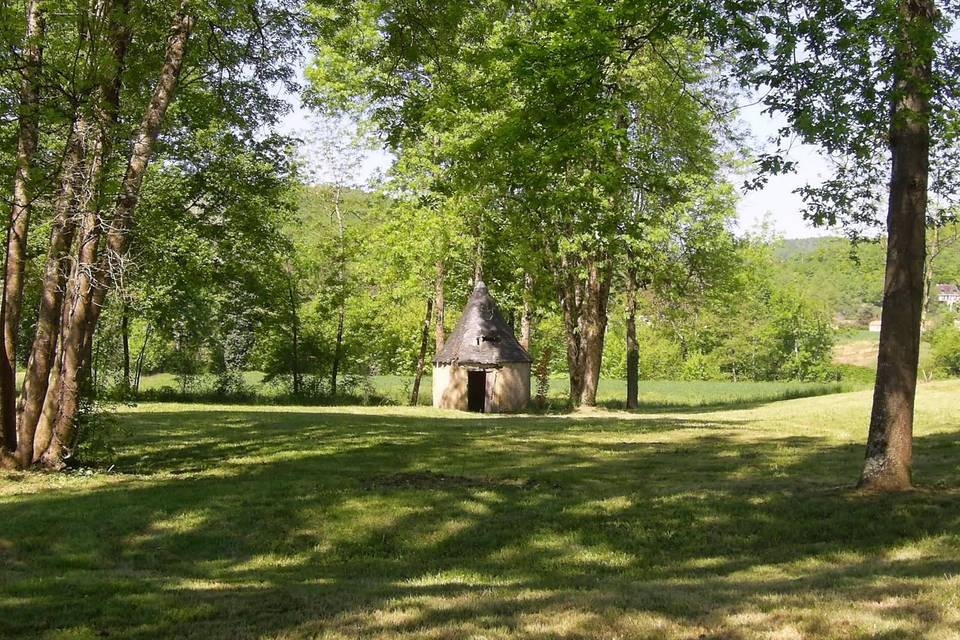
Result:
{"points": [[338, 348], [633, 348], [593, 330], [890, 439], [583, 302], [294, 337], [141, 358], [125, 340], [64, 225], [90, 295], [570, 297], [526, 322], [19, 225], [422, 357], [439, 307]]}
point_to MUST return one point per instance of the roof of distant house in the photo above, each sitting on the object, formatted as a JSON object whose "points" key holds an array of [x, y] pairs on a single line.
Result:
{"points": [[481, 336], [948, 290]]}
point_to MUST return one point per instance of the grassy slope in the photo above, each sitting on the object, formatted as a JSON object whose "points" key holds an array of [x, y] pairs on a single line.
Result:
{"points": [[233, 522], [859, 348]]}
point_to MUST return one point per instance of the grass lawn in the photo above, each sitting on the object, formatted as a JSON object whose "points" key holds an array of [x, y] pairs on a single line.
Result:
{"points": [[255, 522], [653, 393]]}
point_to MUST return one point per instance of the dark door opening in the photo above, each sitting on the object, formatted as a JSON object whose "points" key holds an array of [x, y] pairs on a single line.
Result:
{"points": [[476, 390]]}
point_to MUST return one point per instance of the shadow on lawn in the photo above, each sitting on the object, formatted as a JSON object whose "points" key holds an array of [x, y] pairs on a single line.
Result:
{"points": [[536, 528]]}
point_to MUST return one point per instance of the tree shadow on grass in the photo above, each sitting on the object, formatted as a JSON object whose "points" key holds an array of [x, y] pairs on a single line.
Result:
{"points": [[281, 525]]}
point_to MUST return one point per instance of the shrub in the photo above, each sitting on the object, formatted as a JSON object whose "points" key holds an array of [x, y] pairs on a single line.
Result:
{"points": [[945, 348]]}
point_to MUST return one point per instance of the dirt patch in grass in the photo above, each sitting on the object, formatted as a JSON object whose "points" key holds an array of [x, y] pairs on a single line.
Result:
{"points": [[430, 480]]}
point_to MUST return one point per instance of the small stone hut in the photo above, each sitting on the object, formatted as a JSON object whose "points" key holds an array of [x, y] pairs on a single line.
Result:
{"points": [[482, 367]]}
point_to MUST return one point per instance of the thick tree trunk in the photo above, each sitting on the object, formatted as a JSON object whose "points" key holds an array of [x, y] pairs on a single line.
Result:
{"points": [[422, 357], [19, 225], [593, 330], [439, 307], [890, 439], [633, 348], [584, 305]]}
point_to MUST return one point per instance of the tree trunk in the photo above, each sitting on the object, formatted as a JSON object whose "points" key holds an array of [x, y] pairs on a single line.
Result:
{"points": [[341, 288], [570, 296], [294, 337], [890, 439], [125, 340], [526, 322], [77, 349], [19, 225], [584, 305], [36, 378], [593, 330], [478, 264], [439, 306], [422, 358], [633, 348], [141, 358], [341, 312]]}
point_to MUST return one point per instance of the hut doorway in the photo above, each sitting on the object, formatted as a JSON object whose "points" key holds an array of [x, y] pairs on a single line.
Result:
{"points": [[476, 391]]}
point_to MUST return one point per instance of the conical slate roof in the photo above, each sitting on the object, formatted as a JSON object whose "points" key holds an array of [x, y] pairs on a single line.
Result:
{"points": [[481, 336]]}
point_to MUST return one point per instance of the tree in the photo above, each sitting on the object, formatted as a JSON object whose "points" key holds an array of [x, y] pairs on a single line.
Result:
{"points": [[875, 85], [116, 107], [543, 113], [333, 155]]}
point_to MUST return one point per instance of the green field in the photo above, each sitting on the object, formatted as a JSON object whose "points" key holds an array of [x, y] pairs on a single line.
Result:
{"points": [[222, 522], [653, 393]]}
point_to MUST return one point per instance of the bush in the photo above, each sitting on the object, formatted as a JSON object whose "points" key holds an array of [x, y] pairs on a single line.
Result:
{"points": [[945, 348], [701, 366]]}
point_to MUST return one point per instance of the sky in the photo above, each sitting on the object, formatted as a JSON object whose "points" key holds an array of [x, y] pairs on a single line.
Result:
{"points": [[775, 205]]}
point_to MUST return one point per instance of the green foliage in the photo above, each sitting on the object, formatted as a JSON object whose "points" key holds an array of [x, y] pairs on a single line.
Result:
{"points": [[945, 348]]}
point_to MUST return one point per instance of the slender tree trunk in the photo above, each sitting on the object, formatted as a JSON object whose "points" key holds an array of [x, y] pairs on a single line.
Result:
{"points": [[338, 349], [37, 374], [937, 246], [890, 440], [19, 225], [422, 357], [125, 340], [48, 415], [141, 358], [478, 264], [526, 322], [341, 288], [439, 307], [570, 306], [294, 337], [109, 266], [633, 348]]}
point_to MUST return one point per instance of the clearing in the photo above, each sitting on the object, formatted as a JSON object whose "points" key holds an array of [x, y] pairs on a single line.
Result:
{"points": [[261, 522]]}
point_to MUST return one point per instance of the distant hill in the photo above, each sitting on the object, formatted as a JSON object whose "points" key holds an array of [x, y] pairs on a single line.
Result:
{"points": [[847, 279], [788, 248]]}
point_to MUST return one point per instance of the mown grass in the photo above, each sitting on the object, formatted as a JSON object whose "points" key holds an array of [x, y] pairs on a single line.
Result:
{"points": [[247, 522], [393, 389]]}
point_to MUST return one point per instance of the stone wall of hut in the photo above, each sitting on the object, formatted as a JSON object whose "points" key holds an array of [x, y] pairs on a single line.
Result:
{"points": [[508, 387]]}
